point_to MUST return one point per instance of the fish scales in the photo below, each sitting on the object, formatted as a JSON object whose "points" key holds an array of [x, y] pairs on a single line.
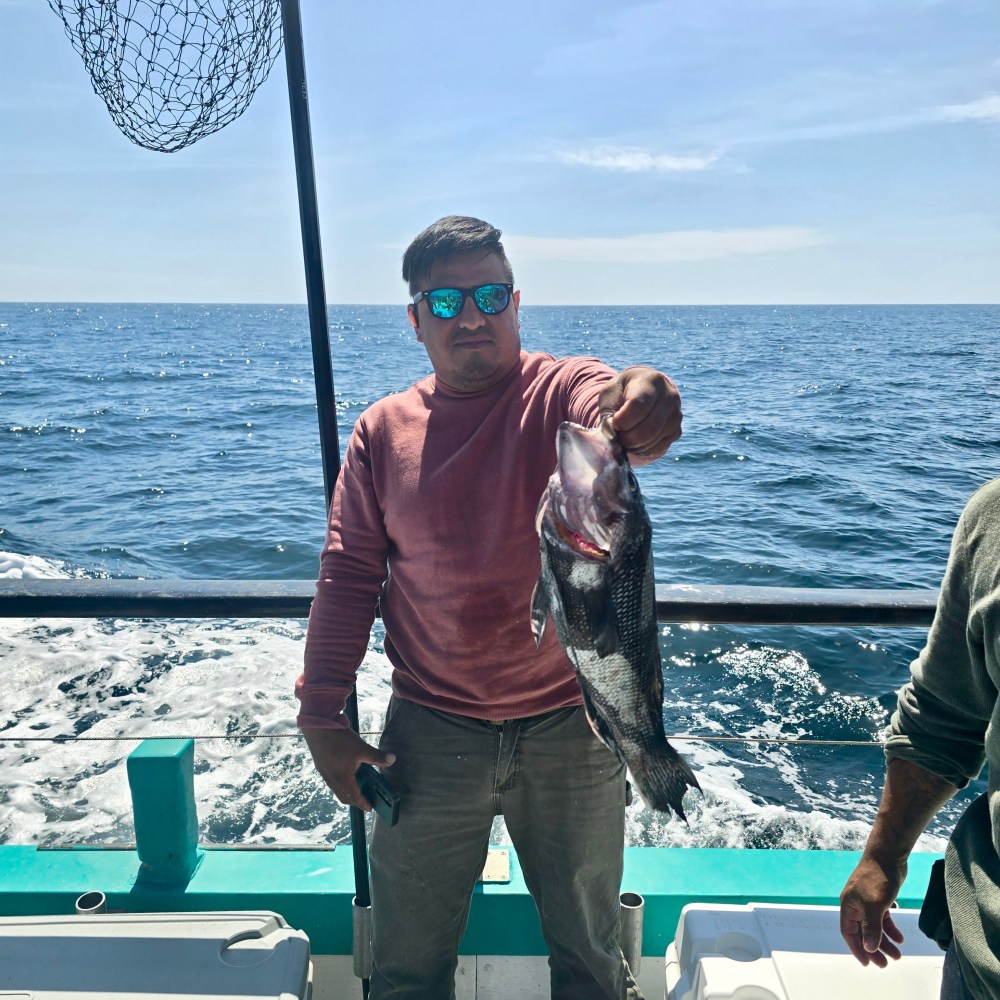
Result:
{"points": [[597, 584]]}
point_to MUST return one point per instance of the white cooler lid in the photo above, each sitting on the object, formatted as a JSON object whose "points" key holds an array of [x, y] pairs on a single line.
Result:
{"points": [[240, 955], [768, 951]]}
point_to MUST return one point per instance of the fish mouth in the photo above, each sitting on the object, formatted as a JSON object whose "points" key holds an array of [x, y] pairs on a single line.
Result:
{"points": [[589, 461], [580, 543], [588, 489]]}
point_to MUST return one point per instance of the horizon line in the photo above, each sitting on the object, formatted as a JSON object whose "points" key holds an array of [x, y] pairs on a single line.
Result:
{"points": [[538, 305]]}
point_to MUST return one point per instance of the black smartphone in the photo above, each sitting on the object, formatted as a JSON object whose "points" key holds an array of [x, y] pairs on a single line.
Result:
{"points": [[377, 789]]}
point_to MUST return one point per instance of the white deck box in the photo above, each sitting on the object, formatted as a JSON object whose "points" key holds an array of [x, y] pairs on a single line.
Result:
{"points": [[765, 951], [246, 955]]}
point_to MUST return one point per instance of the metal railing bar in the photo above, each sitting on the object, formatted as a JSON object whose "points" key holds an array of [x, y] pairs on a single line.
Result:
{"points": [[675, 603], [155, 598], [793, 605]]}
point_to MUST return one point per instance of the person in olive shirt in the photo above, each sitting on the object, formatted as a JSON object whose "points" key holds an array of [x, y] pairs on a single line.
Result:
{"points": [[945, 727]]}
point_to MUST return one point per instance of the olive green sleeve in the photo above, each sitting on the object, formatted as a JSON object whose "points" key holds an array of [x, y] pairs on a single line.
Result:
{"points": [[943, 711]]}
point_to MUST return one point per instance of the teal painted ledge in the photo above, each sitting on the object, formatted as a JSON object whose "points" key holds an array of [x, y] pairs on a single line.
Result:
{"points": [[313, 889]]}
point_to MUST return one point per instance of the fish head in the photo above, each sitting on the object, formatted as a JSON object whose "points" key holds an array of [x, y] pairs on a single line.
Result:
{"points": [[591, 491]]}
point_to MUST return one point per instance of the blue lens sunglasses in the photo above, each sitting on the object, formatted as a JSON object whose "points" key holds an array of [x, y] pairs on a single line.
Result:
{"points": [[447, 303]]}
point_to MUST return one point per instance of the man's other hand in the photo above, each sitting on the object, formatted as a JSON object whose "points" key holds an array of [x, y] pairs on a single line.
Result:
{"points": [[338, 753], [865, 921]]}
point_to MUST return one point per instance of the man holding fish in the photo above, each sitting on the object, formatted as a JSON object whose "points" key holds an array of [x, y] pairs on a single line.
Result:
{"points": [[434, 520]]}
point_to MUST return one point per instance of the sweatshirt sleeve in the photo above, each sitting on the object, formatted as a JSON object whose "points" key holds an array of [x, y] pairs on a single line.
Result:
{"points": [[352, 572], [585, 378], [943, 711]]}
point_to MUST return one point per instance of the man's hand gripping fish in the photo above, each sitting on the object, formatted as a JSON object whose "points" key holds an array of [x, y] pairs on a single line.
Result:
{"points": [[597, 584]]}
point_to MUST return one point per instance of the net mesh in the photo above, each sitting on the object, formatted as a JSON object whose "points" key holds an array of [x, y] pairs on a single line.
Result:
{"points": [[174, 72]]}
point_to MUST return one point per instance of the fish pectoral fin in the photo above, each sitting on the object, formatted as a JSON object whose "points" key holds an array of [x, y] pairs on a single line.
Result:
{"points": [[604, 621], [539, 612], [597, 723]]}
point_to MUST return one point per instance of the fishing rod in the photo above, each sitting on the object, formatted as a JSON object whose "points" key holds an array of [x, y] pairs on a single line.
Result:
{"points": [[298, 104]]}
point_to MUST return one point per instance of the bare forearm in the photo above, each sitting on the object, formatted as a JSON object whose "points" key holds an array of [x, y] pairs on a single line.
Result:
{"points": [[910, 799]]}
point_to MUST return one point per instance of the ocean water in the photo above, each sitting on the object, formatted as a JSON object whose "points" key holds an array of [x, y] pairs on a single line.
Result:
{"points": [[823, 447]]}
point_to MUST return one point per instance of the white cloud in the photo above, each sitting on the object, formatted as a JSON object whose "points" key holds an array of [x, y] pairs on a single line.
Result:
{"points": [[631, 160], [985, 109], [669, 247]]}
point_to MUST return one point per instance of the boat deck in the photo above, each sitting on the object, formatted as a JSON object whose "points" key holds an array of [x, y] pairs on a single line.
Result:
{"points": [[480, 977]]}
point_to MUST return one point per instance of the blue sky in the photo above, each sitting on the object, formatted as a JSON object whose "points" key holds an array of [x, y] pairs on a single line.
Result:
{"points": [[690, 151]]}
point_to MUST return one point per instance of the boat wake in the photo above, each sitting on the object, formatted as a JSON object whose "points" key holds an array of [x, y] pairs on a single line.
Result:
{"points": [[81, 694]]}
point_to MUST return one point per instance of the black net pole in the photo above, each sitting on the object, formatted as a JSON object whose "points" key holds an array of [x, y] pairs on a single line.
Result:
{"points": [[298, 101]]}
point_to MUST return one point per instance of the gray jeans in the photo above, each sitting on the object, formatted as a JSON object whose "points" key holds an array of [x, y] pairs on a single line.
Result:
{"points": [[952, 985], [562, 795]]}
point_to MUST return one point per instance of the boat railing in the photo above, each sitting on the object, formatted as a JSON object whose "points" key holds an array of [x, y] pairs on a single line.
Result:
{"points": [[316, 890], [675, 603]]}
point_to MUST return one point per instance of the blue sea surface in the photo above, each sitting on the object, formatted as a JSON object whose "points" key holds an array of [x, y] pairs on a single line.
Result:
{"points": [[823, 446]]}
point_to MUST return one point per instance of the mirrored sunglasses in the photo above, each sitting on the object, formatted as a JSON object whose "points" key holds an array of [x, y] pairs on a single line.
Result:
{"points": [[447, 303]]}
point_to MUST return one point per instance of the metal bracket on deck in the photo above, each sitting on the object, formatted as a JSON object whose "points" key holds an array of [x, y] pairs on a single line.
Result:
{"points": [[497, 867]]}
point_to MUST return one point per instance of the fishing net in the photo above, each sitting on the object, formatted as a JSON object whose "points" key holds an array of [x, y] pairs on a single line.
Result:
{"points": [[174, 72]]}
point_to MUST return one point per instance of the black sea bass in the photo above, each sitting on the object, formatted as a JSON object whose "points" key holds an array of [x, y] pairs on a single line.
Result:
{"points": [[597, 584]]}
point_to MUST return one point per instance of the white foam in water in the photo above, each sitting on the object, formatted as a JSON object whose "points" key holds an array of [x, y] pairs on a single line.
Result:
{"points": [[17, 567], [225, 682], [130, 679]]}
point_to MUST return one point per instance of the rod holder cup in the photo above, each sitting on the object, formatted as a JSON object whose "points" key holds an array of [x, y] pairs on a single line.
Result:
{"points": [[630, 934], [361, 945], [92, 902]]}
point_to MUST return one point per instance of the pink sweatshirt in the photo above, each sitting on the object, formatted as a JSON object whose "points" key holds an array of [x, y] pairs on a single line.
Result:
{"points": [[433, 518]]}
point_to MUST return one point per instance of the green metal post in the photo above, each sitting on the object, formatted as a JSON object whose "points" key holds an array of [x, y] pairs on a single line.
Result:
{"points": [[161, 779]]}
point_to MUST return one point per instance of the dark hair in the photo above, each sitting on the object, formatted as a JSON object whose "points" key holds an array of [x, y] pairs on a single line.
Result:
{"points": [[454, 234]]}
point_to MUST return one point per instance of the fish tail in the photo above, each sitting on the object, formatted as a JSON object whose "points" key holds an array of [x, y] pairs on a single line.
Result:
{"points": [[662, 779]]}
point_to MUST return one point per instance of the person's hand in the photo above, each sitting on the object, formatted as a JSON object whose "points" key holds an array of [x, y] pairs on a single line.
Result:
{"points": [[338, 753], [865, 921], [645, 410]]}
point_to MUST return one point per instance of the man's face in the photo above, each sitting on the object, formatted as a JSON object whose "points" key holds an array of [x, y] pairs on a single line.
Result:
{"points": [[472, 351]]}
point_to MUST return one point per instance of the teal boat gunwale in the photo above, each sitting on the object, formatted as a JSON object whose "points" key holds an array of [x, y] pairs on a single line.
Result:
{"points": [[313, 889]]}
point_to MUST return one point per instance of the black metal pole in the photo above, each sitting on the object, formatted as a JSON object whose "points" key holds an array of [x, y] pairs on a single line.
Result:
{"points": [[312, 251], [298, 103]]}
